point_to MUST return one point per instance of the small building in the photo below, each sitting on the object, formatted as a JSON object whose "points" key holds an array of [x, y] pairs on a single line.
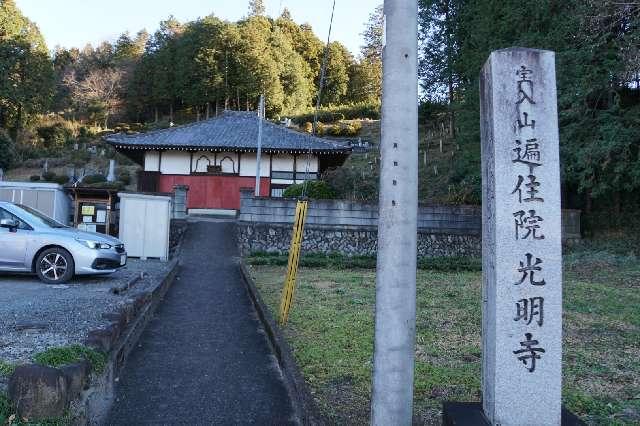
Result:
{"points": [[215, 158], [48, 198]]}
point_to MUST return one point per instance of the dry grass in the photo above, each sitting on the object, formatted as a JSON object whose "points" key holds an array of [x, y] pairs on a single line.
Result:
{"points": [[331, 333]]}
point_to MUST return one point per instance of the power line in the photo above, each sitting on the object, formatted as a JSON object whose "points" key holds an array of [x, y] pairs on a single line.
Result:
{"points": [[323, 71]]}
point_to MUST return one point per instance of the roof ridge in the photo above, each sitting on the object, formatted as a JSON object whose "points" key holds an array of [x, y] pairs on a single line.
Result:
{"points": [[180, 126], [230, 129]]}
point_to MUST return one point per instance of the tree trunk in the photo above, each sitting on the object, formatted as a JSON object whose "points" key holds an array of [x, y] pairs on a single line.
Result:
{"points": [[616, 203], [156, 113], [449, 72], [197, 113], [209, 109], [171, 112], [106, 121], [238, 96]]}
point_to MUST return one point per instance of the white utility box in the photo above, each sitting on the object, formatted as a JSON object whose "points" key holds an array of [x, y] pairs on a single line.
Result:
{"points": [[48, 198], [144, 224]]}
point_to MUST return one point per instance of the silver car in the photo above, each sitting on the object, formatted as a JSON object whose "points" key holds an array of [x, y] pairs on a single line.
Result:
{"points": [[33, 242]]}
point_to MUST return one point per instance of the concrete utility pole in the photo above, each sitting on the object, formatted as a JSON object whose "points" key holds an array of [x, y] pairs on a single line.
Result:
{"points": [[259, 153], [392, 400]]}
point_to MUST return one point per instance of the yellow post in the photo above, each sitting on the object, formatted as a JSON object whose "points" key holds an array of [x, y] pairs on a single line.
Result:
{"points": [[294, 259]]}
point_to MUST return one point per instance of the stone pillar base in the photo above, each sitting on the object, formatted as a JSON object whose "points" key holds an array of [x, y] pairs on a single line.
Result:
{"points": [[470, 414]]}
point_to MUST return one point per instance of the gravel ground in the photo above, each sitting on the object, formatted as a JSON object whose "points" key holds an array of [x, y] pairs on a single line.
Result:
{"points": [[35, 316]]}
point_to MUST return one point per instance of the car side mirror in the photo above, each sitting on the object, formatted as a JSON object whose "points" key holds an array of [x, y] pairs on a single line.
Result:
{"points": [[9, 223]]}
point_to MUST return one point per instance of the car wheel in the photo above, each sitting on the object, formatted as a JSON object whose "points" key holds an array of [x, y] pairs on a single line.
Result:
{"points": [[55, 266]]}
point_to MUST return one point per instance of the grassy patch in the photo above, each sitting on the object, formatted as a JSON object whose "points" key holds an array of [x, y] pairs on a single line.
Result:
{"points": [[5, 408], [6, 368], [65, 355], [331, 333], [338, 261]]}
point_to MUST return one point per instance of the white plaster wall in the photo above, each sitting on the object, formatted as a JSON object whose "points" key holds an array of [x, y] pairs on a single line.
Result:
{"points": [[175, 163], [282, 162], [201, 160], [151, 161], [301, 163], [248, 165], [228, 161], [282, 181]]}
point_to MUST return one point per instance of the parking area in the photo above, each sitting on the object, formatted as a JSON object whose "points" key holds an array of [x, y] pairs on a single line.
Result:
{"points": [[36, 316]]}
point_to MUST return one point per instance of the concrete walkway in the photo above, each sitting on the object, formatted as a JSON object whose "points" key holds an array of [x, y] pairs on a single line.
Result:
{"points": [[203, 359]]}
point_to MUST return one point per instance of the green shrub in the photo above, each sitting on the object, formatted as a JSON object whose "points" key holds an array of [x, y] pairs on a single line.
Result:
{"points": [[335, 113], [335, 130], [467, 191], [349, 131], [450, 264], [48, 176], [7, 150], [339, 261], [79, 158], [85, 134], [34, 178], [315, 189], [60, 179], [65, 355], [6, 409], [6, 369], [93, 179], [307, 127], [25, 152], [107, 185], [124, 176], [55, 135]]}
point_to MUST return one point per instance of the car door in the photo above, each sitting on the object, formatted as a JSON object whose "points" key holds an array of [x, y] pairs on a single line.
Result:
{"points": [[13, 245]]}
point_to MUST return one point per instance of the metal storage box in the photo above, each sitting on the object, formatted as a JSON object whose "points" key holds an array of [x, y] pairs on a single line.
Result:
{"points": [[48, 198], [144, 224]]}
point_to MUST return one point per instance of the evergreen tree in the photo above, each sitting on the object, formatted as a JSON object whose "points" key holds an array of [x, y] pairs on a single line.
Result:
{"points": [[598, 108], [26, 71], [337, 76], [163, 46], [365, 80], [200, 60]]}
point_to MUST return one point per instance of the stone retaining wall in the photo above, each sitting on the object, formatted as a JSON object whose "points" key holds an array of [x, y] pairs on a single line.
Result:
{"points": [[348, 240], [40, 392], [350, 228]]}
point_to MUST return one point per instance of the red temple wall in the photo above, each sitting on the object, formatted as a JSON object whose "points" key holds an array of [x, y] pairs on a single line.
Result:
{"points": [[213, 192]]}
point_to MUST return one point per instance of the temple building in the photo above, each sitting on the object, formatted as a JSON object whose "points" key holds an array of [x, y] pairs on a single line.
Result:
{"points": [[215, 158]]}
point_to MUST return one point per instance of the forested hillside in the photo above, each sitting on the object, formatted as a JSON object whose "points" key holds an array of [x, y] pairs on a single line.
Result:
{"points": [[186, 71], [598, 75]]}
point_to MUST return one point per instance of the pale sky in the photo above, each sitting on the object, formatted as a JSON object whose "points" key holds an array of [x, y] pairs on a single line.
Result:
{"points": [[74, 23]]}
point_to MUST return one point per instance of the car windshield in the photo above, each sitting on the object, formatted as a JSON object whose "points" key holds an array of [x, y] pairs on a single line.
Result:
{"points": [[33, 215]]}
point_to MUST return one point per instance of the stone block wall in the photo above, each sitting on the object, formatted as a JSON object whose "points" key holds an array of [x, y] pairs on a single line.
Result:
{"points": [[348, 240], [350, 228]]}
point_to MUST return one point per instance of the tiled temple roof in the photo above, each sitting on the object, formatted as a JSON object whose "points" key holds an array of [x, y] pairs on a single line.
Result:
{"points": [[231, 131]]}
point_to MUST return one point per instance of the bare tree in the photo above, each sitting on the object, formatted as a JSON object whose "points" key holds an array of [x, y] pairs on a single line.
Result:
{"points": [[101, 88]]}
